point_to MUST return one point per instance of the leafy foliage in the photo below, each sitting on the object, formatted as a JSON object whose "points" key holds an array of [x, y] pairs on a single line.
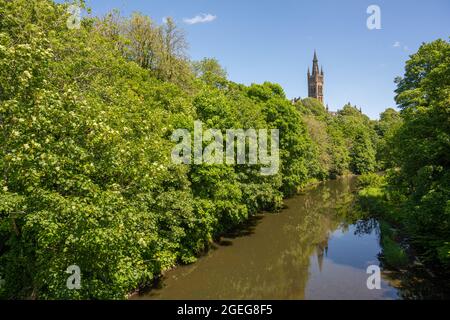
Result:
{"points": [[422, 147], [344, 143], [416, 145], [86, 117]]}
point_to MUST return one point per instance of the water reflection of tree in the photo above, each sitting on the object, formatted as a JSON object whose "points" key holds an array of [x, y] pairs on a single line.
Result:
{"points": [[285, 275], [415, 283], [368, 226]]}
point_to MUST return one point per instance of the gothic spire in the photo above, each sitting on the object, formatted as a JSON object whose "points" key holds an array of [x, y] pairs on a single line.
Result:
{"points": [[315, 64], [315, 80]]}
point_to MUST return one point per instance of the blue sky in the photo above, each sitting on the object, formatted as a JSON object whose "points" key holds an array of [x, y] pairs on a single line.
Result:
{"points": [[262, 40]]}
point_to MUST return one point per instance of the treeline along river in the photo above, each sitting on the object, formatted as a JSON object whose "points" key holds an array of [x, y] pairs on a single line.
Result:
{"points": [[310, 250]]}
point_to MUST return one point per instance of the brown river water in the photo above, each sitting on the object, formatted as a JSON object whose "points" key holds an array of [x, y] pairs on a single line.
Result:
{"points": [[309, 250]]}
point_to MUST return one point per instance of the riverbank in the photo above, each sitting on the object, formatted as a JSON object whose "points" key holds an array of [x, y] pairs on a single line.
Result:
{"points": [[295, 254], [403, 254], [317, 247]]}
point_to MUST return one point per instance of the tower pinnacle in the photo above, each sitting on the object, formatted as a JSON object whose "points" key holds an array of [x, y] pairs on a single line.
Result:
{"points": [[316, 80]]}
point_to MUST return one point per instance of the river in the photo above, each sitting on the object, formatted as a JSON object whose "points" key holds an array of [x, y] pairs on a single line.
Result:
{"points": [[309, 250]]}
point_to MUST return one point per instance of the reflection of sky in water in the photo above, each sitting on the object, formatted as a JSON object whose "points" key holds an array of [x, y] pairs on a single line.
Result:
{"points": [[358, 251], [341, 270]]}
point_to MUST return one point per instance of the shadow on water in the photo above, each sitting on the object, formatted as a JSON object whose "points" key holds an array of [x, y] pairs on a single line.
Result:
{"points": [[316, 248], [416, 283], [244, 230]]}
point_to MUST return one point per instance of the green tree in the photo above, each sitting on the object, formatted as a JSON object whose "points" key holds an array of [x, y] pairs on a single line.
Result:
{"points": [[421, 148], [312, 106], [210, 71], [360, 139], [390, 121]]}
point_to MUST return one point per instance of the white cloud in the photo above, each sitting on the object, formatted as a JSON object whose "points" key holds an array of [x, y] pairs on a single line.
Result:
{"points": [[201, 18], [401, 46]]}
